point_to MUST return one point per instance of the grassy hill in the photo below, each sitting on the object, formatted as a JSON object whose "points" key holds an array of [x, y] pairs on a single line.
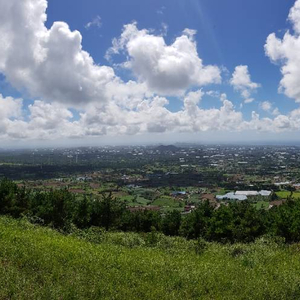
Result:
{"points": [[39, 263]]}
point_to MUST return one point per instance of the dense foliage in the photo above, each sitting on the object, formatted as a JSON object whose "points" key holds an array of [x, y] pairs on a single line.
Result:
{"points": [[235, 222]]}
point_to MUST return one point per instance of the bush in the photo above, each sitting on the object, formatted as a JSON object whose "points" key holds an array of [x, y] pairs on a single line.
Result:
{"points": [[200, 245]]}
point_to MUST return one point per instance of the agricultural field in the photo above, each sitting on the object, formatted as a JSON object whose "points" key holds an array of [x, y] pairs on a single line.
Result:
{"points": [[168, 202], [262, 205], [286, 194]]}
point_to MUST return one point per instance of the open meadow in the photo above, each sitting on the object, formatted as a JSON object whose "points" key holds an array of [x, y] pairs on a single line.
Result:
{"points": [[40, 263]]}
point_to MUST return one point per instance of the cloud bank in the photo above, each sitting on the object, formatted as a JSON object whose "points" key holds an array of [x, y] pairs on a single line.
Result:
{"points": [[50, 66]]}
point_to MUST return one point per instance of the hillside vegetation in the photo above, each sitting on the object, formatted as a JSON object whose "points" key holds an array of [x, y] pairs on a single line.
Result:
{"points": [[40, 263], [235, 222]]}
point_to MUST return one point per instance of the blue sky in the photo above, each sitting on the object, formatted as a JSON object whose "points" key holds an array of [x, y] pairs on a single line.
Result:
{"points": [[228, 34]]}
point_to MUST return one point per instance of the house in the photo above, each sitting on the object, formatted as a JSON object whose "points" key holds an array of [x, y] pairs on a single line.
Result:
{"points": [[276, 203], [189, 208]]}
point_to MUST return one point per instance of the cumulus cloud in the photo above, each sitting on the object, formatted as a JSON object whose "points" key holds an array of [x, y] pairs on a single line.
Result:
{"points": [[266, 105], [48, 121], [286, 52], [51, 66], [47, 63], [166, 69], [10, 109], [241, 81]]}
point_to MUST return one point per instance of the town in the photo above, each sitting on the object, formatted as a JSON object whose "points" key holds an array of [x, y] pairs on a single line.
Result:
{"points": [[162, 178]]}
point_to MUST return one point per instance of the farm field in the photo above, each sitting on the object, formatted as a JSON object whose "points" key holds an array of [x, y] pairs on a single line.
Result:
{"points": [[262, 205], [285, 194]]}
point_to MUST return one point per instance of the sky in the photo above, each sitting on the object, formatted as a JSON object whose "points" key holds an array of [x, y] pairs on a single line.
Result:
{"points": [[77, 72]]}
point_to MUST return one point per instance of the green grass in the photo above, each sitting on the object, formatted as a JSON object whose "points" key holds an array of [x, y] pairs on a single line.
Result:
{"points": [[296, 195], [262, 205], [285, 194], [166, 201], [142, 200], [196, 198], [38, 263], [127, 198]]}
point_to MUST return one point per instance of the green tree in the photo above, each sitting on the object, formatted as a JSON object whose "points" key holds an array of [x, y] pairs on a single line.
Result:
{"points": [[196, 224], [8, 191], [82, 216], [107, 211], [171, 223]]}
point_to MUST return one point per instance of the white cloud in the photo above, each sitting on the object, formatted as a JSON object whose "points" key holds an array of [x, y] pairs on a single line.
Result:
{"points": [[286, 52], [266, 105], [166, 69], [53, 121], [164, 29], [10, 107], [214, 94], [248, 100], [48, 116], [96, 22], [48, 63], [161, 10], [275, 111], [51, 65], [241, 81]]}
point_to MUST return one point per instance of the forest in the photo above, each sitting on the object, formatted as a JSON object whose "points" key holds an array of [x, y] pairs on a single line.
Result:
{"points": [[230, 223]]}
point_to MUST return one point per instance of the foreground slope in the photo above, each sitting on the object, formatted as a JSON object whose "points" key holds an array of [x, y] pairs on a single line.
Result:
{"points": [[39, 263]]}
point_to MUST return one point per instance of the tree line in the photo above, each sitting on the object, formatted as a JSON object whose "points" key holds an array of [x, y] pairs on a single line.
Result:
{"points": [[235, 222]]}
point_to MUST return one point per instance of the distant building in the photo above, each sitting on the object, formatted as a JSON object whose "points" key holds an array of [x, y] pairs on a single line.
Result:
{"points": [[276, 203], [247, 193], [243, 195], [189, 208], [296, 186], [282, 183], [84, 179], [232, 196], [254, 193], [80, 178], [265, 193], [178, 193]]}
